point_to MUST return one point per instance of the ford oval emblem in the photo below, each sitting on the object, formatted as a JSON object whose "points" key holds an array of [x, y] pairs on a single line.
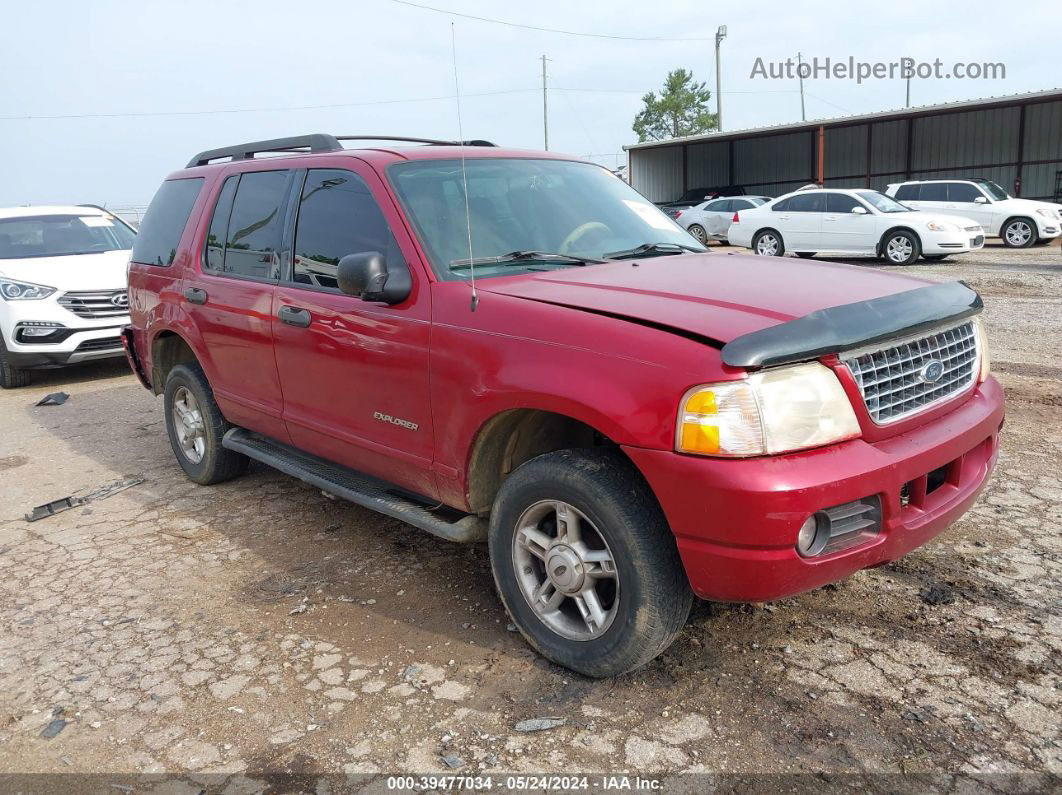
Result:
{"points": [[932, 371]]}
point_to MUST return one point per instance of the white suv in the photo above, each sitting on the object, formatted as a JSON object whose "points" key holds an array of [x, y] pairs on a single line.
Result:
{"points": [[62, 288], [1019, 222]]}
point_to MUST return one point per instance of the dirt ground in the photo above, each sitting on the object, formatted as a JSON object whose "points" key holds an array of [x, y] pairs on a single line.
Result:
{"points": [[259, 636]]}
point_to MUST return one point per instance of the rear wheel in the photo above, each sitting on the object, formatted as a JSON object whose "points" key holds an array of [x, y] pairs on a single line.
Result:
{"points": [[698, 232], [768, 243], [900, 247], [585, 562], [1018, 233], [11, 377], [195, 426]]}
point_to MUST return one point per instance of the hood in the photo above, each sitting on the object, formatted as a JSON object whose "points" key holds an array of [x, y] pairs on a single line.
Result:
{"points": [[925, 216], [1028, 206], [714, 296], [103, 271]]}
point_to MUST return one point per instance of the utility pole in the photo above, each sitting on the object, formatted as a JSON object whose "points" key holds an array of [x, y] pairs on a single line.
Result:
{"points": [[800, 74], [545, 108], [720, 34], [908, 91]]}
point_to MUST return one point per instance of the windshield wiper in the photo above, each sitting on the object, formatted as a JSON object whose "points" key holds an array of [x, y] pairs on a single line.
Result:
{"points": [[654, 248], [519, 257]]}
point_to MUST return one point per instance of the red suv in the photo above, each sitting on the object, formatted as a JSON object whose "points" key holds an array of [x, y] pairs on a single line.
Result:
{"points": [[518, 347]]}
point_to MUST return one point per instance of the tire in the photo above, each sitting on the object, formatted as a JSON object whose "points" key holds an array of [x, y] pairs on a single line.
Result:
{"points": [[206, 462], [900, 247], [761, 243], [1018, 233], [806, 254], [1043, 241], [641, 591], [11, 377], [934, 257], [698, 234]]}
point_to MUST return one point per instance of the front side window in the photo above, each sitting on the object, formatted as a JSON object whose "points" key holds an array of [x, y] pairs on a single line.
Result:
{"points": [[337, 216], [255, 226], [164, 222], [963, 192], [556, 207], [35, 236], [840, 203], [993, 190]]}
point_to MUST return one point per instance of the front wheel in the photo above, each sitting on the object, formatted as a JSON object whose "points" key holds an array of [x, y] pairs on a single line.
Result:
{"points": [[1018, 233], [768, 243], [585, 562], [901, 248], [196, 426], [11, 377]]}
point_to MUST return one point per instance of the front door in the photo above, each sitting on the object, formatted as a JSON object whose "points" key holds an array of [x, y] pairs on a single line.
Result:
{"points": [[845, 230], [354, 374], [963, 201]]}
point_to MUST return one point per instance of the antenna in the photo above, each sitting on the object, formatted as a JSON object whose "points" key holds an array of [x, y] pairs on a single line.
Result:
{"points": [[464, 174]]}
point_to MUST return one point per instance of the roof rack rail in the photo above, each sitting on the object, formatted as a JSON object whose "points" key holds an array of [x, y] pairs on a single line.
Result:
{"points": [[317, 142]]}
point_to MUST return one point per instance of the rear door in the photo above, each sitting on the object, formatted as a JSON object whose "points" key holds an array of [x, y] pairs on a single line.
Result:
{"points": [[230, 300], [844, 230], [354, 374], [802, 222], [717, 215], [932, 196]]}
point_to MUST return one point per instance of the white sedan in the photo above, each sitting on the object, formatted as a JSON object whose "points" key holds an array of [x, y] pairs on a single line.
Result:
{"points": [[861, 222], [710, 220]]}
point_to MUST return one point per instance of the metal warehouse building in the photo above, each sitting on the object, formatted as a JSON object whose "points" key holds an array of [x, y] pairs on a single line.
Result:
{"points": [[1015, 141]]}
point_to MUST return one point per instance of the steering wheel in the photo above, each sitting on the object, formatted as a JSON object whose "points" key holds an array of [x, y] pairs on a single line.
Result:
{"points": [[580, 232]]}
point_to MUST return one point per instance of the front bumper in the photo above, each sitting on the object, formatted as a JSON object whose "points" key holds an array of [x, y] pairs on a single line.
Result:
{"points": [[736, 521], [952, 242]]}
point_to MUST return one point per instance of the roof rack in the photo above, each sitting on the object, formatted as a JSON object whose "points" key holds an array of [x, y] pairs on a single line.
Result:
{"points": [[315, 143]]}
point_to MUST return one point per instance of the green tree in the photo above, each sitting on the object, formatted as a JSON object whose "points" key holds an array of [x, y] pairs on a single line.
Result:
{"points": [[680, 109]]}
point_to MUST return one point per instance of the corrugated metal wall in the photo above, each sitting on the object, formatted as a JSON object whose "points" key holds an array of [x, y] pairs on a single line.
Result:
{"points": [[974, 143]]}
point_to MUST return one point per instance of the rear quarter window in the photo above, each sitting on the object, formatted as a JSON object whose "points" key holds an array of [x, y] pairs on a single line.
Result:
{"points": [[164, 222], [907, 193]]}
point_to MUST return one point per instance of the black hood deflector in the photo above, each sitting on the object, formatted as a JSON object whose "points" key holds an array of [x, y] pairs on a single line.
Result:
{"points": [[849, 326]]}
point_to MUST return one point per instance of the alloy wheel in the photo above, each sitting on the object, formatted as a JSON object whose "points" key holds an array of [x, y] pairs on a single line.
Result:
{"points": [[565, 570], [188, 425], [899, 249], [767, 245], [1019, 233]]}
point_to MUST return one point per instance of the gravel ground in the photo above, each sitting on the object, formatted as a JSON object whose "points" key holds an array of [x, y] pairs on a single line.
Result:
{"points": [[257, 634]]}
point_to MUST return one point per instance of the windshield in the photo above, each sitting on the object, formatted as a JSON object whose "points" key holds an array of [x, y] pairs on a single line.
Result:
{"points": [[993, 190], [549, 207], [62, 235], [881, 202]]}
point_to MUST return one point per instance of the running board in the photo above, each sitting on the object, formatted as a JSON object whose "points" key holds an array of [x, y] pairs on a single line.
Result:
{"points": [[360, 489]]}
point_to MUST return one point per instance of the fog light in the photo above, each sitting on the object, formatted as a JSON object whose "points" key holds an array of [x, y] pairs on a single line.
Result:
{"points": [[813, 536]]}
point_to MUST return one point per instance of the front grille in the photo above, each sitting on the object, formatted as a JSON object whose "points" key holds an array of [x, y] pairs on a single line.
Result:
{"points": [[899, 381], [101, 344], [96, 303]]}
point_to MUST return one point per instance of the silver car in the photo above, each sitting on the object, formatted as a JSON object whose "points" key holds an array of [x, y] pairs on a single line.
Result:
{"points": [[711, 220]]}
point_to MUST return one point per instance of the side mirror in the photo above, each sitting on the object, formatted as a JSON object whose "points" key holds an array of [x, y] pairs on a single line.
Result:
{"points": [[980, 200], [366, 276], [859, 210]]}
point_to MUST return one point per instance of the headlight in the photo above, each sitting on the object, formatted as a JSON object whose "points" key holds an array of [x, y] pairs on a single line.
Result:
{"points": [[1047, 214], [942, 226], [771, 412], [23, 291], [982, 346]]}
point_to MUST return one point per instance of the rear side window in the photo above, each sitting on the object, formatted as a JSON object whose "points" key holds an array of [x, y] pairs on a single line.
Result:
{"points": [[167, 215], [963, 192], [840, 203], [783, 205], [718, 206], [933, 192], [337, 216], [808, 203], [907, 193], [255, 226]]}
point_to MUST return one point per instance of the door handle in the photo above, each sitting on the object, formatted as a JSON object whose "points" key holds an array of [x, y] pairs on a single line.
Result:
{"points": [[783, 217], [293, 316], [195, 295]]}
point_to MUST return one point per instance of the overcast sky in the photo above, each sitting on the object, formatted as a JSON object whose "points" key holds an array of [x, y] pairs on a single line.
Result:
{"points": [[90, 59]]}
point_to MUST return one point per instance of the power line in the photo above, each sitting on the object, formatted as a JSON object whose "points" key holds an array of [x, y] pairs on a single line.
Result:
{"points": [[263, 110], [540, 29]]}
